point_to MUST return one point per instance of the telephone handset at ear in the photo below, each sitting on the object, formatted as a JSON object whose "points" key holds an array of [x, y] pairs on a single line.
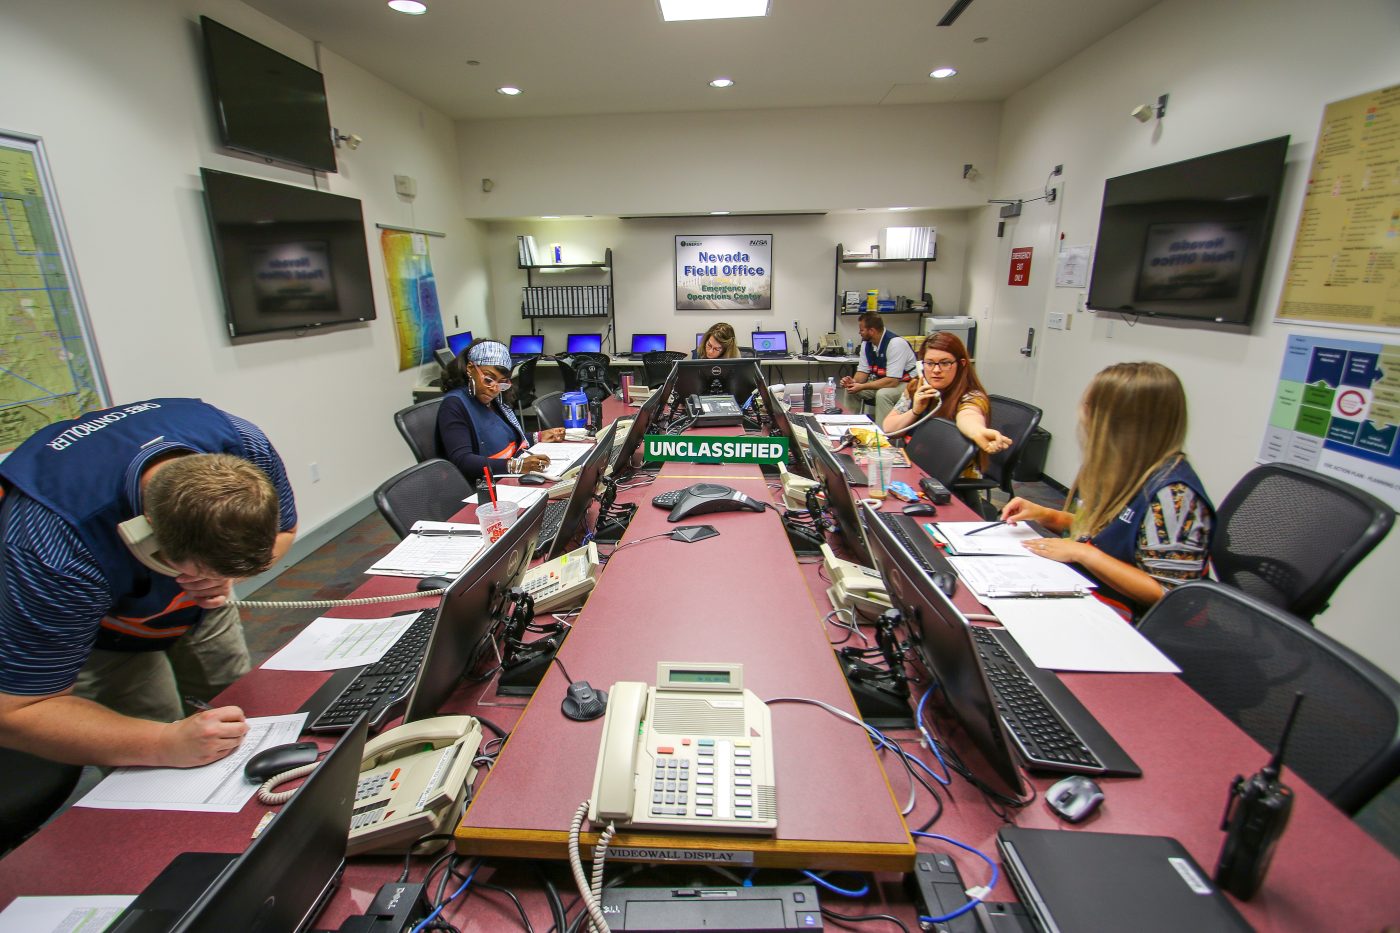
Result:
{"points": [[140, 539]]}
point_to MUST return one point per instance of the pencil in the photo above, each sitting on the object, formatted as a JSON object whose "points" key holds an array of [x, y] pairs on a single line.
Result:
{"points": [[983, 528]]}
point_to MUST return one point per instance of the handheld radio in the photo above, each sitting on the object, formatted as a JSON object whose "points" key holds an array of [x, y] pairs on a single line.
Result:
{"points": [[1256, 814]]}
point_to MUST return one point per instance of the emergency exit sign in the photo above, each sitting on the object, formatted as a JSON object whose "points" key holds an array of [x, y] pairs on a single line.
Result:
{"points": [[1020, 266]]}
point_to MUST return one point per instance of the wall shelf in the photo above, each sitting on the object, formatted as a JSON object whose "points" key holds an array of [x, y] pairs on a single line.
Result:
{"points": [[569, 301], [843, 260]]}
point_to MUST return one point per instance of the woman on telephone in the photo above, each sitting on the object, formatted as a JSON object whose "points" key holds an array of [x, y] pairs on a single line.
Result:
{"points": [[478, 430], [1138, 517]]}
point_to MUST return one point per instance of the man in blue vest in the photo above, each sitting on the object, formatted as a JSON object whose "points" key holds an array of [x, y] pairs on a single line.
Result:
{"points": [[886, 362], [102, 634]]}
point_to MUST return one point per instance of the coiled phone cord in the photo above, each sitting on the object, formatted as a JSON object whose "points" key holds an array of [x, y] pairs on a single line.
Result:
{"points": [[334, 603], [590, 902]]}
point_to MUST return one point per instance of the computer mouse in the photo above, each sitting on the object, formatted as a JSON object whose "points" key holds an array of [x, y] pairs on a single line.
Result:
{"points": [[532, 479], [279, 758], [920, 508], [433, 583], [582, 702], [1075, 797], [945, 581]]}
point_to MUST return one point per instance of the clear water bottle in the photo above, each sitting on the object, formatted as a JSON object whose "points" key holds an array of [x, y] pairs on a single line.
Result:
{"points": [[850, 347], [829, 393]]}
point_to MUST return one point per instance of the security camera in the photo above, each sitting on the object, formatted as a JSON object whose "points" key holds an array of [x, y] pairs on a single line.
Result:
{"points": [[1142, 113]]}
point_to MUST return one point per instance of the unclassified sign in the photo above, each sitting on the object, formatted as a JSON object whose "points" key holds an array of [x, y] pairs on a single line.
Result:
{"points": [[660, 447]]}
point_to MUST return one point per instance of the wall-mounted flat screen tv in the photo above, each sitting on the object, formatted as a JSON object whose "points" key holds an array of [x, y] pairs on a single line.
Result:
{"points": [[1190, 239], [289, 258], [266, 103]]}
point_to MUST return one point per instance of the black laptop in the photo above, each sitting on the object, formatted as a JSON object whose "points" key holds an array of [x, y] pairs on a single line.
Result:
{"points": [[284, 877]]}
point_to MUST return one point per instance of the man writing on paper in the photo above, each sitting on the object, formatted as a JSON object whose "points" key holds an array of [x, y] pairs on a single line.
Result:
{"points": [[886, 362], [97, 645]]}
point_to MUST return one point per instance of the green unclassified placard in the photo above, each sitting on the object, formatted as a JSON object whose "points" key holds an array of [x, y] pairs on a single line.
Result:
{"points": [[692, 448]]}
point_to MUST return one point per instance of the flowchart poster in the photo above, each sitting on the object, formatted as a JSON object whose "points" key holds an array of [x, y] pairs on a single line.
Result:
{"points": [[1337, 411]]}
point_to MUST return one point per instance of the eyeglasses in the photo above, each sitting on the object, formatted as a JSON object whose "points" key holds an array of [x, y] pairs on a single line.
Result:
{"points": [[939, 364], [491, 382]]}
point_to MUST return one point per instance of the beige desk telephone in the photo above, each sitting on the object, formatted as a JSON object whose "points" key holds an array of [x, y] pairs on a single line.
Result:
{"points": [[794, 487], [694, 752], [564, 582], [140, 540], [412, 782], [854, 587], [831, 341]]}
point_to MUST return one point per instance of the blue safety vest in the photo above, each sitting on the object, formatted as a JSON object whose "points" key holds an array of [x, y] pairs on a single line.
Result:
{"points": [[79, 469], [878, 358]]}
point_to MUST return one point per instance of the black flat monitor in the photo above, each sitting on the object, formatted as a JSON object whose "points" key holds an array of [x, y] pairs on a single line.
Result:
{"points": [[839, 498], [737, 376], [285, 876], [584, 343], [266, 103], [525, 345], [940, 633], [699, 340], [459, 342], [797, 461], [444, 357], [590, 471], [769, 342], [626, 449], [647, 343], [468, 612]]}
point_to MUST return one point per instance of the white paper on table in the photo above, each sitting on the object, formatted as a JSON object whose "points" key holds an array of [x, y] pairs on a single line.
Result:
{"points": [[82, 913], [992, 577], [837, 425], [218, 787], [562, 456], [1079, 635], [1002, 539], [330, 644], [429, 556], [522, 494]]}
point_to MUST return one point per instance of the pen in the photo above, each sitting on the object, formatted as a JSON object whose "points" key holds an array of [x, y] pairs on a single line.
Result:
{"points": [[983, 528], [449, 532], [198, 704]]}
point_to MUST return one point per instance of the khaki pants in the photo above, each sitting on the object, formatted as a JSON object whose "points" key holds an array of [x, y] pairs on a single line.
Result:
{"points": [[151, 684], [883, 401]]}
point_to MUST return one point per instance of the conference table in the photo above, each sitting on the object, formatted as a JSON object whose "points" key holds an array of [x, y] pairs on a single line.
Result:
{"points": [[744, 596]]}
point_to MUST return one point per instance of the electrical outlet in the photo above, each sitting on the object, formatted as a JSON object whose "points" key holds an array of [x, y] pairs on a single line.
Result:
{"points": [[315, 470], [1056, 320]]}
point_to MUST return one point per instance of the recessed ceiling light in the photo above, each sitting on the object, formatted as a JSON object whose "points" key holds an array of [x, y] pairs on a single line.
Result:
{"points": [[719, 213], [722, 82], [411, 7], [549, 217], [509, 91], [676, 10], [942, 72], [900, 208]]}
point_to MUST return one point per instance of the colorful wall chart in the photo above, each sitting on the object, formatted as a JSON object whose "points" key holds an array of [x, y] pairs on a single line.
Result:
{"points": [[1337, 411], [413, 296]]}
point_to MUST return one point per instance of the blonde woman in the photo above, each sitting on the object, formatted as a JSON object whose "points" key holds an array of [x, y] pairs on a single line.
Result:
{"points": [[1138, 518], [718, 343]]}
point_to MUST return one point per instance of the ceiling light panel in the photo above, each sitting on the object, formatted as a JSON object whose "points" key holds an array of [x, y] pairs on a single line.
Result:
{"points": [[677, 10]]}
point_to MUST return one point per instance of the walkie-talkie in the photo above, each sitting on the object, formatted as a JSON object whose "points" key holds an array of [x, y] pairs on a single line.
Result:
{"points": [[1255, 816]]}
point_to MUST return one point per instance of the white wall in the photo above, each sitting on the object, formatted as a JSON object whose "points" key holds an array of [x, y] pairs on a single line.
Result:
{"points": [[831, 158], [804, 249], [117, 91], [1237, 73]]}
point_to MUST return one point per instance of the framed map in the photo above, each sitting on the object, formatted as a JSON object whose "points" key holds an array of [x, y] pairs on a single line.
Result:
{"points": [[49, 370]]}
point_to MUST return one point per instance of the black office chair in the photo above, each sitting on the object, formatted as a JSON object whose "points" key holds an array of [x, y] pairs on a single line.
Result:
{"points": [[1016, 420], [430, 491], [1289, 536], [657, 364], [549, 411], [34, 790], [418, 425], [522, 382], [594, 374], [1248, 659], [939, 449]]}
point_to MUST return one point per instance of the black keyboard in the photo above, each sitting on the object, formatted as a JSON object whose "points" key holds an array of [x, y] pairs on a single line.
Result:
{"points": [[549, 525], [1051, 728], [379, 689]]}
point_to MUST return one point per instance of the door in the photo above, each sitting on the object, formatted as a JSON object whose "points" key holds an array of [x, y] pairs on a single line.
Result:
{"points": [[1006, 351]]}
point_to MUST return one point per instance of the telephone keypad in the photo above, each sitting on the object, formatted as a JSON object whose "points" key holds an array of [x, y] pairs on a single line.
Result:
{"points": [[723, 772]]}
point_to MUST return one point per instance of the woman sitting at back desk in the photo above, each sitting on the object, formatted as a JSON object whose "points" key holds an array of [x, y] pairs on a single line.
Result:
{"points": [[718, 343], [1138, 516], [478, 430]]}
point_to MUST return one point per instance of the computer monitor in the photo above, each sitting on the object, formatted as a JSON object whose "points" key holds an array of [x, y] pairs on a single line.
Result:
{"points": [[626, 449], [523, 345], [468, 611], [736, 376], [444, 357], [770, 342], [585, 343], [284, 877], [590, 470], [839, 498], [459, 342], [648, 343], [940, 633], [699, 340], [797, 462]]}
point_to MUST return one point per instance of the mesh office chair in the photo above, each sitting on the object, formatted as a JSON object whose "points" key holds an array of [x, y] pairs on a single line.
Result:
{"points": [[939, 449], [522, 382], [1289, 536], [549, 411], [430, 491], [418, 425], [594, 374], [1016, 420], [35, 789], [1248, 659], [656, 365]]}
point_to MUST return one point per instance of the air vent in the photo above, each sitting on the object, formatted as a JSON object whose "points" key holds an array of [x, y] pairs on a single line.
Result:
{"points": [[766, 802]]}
